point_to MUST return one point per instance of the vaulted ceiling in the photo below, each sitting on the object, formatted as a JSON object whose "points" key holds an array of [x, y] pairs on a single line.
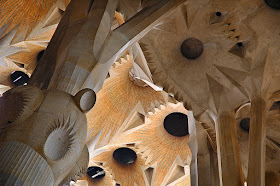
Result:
{"points": [[234, 58]]}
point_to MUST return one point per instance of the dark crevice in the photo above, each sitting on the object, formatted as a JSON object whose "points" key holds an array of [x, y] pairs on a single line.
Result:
{"points": [[245, 124], [90, 5], [275, 106]]}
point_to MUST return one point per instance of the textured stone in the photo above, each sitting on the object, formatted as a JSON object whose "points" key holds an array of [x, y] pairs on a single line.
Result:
{"points": [[22, 165]]}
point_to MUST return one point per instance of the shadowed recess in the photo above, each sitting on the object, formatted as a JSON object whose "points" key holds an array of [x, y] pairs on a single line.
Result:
{"points": [[40, 55], [124, 155], [275, 106], [273, 3], [245, 124], [19, 78], [176, 124], [218, 14], [95, 172]]}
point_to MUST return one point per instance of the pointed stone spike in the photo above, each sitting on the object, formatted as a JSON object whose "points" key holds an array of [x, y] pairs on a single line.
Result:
{"points": [[239, 49], [152, 108], [236, 77], [146, 153], [176, 173], [216, 90], [157, 110], [54, 18], [3, 29], [7, 39], [149, 175], [137, 120], [162, 107]]}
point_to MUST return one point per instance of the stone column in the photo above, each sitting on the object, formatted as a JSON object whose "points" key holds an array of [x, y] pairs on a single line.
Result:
{"points": [[257, 145], [230, 170], [22, 165]]}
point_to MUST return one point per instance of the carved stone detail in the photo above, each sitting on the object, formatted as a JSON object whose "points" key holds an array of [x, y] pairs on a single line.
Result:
{"points": [[22, 165]]}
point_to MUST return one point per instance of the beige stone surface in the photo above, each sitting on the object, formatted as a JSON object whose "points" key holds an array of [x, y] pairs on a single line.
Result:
{"points": [[239, 67], [22, 165], [225, 76], [56, 130]]}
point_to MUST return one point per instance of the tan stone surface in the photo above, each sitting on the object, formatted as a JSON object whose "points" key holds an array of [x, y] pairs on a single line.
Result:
{"points": [[117, 100], [226, 76], [125, 175], [26, 15], [159, 148]]}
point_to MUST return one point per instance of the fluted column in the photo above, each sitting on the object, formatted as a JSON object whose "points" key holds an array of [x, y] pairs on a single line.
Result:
{"points": [[21, 165]]}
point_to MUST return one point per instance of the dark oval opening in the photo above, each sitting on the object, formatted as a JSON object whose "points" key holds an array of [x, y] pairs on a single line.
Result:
{"points": [[19, 78], [95, 172], [218, 14], [176, 124], [125, 155], [245, 124], [239, 44]]}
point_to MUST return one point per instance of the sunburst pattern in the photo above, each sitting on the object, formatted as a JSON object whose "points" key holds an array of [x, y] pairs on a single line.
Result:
{"points": [[235, 52], [23, 20], [189, 79], [125, 175], [59, 142], [239, 61], [117, 99], [25, 53], [157, 145], [25, 14]]}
